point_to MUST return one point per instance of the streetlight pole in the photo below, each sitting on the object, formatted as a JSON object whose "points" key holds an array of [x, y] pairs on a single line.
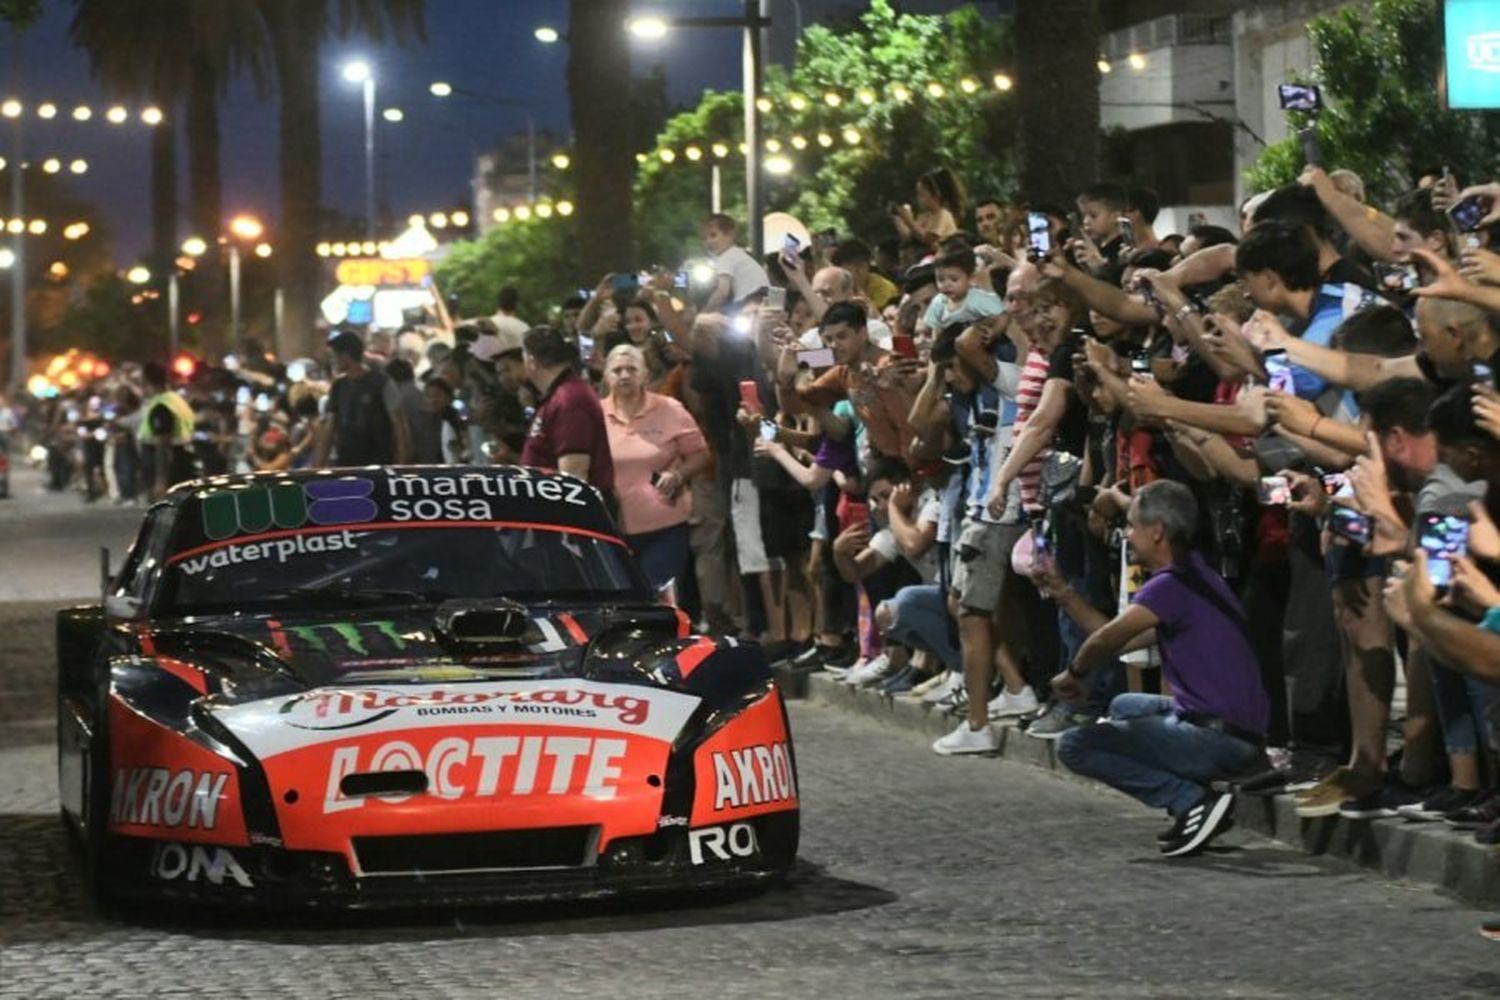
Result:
{"points": [[234, 295], [18, 247], [755, 21], [755, 18], [361, 73]]}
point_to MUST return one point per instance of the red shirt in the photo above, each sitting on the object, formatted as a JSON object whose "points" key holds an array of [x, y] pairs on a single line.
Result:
{"points": [[570, 421]]}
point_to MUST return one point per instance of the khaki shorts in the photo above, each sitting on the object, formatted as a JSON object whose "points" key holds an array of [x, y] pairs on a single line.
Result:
{"points": [[981, 562]]}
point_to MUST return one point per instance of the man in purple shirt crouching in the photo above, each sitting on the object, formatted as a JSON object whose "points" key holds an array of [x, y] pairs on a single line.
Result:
{"points": [[1165, 751]]}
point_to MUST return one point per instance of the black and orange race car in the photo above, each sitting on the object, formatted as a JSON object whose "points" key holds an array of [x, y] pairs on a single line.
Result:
{"points": [[409, 685]]}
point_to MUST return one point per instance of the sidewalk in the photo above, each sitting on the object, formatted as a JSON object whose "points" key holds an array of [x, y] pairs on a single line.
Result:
{"points": [[1429, 853]]}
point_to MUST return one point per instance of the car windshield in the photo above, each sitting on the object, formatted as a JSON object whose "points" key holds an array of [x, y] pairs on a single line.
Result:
{"points": [[398, 564]]}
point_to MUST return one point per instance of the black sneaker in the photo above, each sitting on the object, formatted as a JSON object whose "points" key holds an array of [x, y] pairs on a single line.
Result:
{"points": [[1382, 803], [1225, 825], [782, 649], [1200, 824], [1439, 804], [1476, 814], [813, 657], [842, 657]]}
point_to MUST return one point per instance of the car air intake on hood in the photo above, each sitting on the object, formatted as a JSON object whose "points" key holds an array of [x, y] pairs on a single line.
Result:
{"points": [[500, 850]]}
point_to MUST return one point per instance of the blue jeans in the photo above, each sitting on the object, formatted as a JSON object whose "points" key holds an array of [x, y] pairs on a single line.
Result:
{"points": [[922, 622], [662, 555], [1147, 752], [1462, 706]]}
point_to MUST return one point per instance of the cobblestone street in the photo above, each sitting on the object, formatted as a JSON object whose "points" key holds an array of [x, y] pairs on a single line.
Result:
{"points": [[921, 877]]}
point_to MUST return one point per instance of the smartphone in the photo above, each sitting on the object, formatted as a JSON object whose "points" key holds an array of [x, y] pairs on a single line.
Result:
{"points": [[1127, 231], [243, 395], [855, 512], [1299, 97], [1336, 484], [1038, 235], [768, 430], [775, 297], [585, 293], [680, 280], [1278, 371], [1483, 372], [791, 252], [750, 396], [817, 358], [1348, 523], [625, 282], [903, 346], [1444, 538], [1397, 277], [1274, 491], [1469, 213], [1140, 365]]}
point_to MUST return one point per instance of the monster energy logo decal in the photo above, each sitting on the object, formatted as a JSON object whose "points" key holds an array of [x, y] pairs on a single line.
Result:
{"points": [[349, 633]]}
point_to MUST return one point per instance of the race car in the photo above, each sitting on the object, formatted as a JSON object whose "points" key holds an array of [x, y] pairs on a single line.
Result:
{"points": [[409, 685]]}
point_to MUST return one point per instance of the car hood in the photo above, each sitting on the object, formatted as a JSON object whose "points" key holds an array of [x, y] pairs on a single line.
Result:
{"points": [[454, 641]]}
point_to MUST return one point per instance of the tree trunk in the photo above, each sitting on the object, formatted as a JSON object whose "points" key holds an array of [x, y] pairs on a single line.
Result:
{"points": [[296, 28], [1057, 83], [206, 205], [603, 161]]}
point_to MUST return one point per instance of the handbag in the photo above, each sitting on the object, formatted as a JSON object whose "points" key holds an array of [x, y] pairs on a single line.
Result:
{"points": [[1059, 483]]}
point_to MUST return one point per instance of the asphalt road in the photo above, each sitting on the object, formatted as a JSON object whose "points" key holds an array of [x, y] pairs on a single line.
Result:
{"points": [[920, 877]]}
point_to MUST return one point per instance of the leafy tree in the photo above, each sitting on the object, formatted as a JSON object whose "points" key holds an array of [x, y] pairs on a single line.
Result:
{"points": [[901, 134], [104, 320], [538, 256], [20, 13], [1378, 64]]}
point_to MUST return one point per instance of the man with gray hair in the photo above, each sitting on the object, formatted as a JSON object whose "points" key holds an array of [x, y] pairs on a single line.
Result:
{"points": [[1162, 750]]}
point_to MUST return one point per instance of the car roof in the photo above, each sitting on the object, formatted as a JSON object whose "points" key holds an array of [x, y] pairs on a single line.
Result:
{"points": [[189, 487]]}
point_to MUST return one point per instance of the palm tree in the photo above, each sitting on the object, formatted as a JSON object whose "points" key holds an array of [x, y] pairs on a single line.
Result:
{"points": [[603, 164], [1057, 78], [297, 30], [171, 51]]}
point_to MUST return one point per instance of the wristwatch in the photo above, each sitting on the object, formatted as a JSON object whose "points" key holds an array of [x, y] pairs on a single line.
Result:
{"points": [[1183, 313]]}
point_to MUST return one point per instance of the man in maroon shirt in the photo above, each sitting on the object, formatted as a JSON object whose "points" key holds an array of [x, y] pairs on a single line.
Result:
{"points": [[567, 433]]}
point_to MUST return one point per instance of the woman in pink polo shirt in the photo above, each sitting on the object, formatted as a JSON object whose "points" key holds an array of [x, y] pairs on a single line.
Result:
{"points": [[657, 450]]}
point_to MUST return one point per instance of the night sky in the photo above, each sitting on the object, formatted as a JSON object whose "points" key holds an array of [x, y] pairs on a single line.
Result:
{"points": [[425, 162]]}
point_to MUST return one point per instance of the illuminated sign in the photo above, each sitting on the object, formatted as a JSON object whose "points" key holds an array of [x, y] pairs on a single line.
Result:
{"points": [[1471, 54], [375, 271]]}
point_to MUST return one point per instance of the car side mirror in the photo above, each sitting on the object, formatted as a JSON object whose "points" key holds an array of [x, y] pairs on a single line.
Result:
{"points": [[121, 606]]}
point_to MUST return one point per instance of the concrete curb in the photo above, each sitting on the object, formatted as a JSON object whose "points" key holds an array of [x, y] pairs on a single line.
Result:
{"points": [[1428, 853]]}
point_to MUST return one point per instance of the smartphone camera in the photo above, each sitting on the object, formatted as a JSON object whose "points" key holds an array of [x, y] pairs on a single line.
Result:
{"points": [[1274, 491], [1038, 236], [768, 430], [1444, 538], [1469, 213], [1299, 97], [1349, 524]]}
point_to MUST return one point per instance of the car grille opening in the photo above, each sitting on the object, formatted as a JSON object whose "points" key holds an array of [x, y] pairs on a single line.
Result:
{"points": [[497, 850], [384, 783]]}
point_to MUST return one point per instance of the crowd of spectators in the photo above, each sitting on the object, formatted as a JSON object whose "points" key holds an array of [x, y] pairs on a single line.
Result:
{"points": [[1190, 504]]}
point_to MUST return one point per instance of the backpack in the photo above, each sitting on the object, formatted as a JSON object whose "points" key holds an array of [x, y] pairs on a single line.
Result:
{"points": [[363, 427]]}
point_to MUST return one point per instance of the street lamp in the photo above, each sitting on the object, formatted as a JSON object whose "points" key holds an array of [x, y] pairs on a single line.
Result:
{"points": [[547, 35], [247, 228], [358, 71], [754, 21]]}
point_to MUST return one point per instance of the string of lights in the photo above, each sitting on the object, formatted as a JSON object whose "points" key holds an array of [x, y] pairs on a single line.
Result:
{"points": [[51, 165], [114, 114]]}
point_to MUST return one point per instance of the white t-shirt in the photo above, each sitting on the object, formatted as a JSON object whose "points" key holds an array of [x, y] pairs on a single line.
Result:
{"points": [[880, 335], [746, 276], [929, 510]]}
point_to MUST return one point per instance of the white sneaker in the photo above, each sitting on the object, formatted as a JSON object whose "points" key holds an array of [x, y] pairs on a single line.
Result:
{"points": [[966, 740], [1009, 706], [873, 672], [952, 679]]}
